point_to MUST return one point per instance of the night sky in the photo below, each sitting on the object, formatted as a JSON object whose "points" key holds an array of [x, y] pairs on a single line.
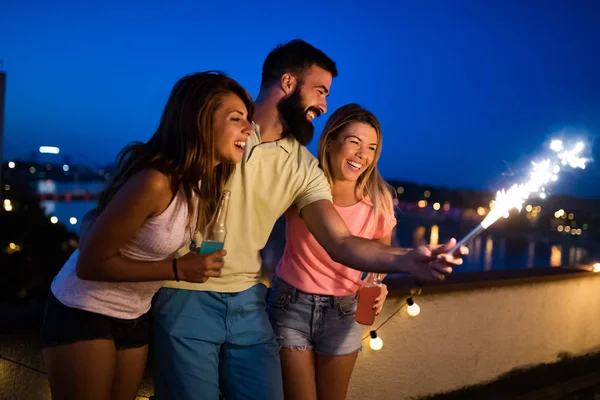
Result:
{"points": [[465, 91]]}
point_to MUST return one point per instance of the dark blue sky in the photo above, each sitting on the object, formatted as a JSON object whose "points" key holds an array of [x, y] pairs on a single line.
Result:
{"points": [[461, 87]]}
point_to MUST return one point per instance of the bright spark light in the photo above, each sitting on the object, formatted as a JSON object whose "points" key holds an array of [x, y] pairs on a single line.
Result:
{"points": [[556, 145], [541, 174], [571, 158]]}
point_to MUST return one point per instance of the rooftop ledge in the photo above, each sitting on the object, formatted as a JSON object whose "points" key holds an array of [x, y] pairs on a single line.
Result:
{"points": [[474, 328]]}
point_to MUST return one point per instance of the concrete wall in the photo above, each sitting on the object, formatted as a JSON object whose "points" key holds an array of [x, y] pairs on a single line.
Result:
{"points": [[476, 334]]}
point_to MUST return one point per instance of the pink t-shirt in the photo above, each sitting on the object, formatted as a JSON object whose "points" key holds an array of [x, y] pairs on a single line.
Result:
{"points": [[307, 266]]}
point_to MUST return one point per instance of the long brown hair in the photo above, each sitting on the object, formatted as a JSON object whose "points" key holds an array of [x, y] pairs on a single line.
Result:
{"points": [[369, 183], [183, 146]]}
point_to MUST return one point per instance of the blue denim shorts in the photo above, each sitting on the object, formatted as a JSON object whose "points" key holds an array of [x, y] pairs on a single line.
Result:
{"points": [[324, 324]]}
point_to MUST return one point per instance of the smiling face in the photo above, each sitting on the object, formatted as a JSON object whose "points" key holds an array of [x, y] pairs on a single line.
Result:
{"points": [[349, 149], [353, 151], [231, 129], [316, 83], [307, 101]]}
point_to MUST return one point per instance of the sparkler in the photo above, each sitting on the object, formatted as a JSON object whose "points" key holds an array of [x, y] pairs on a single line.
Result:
{"points": [[542, 173]]}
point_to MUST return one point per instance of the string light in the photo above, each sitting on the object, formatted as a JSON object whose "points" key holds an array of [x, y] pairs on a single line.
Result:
{"points": [[413, 308], [597, 267], [376, 343]]}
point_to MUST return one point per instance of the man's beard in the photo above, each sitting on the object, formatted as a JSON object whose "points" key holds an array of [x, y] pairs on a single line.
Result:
{"points": [[294, 114]]}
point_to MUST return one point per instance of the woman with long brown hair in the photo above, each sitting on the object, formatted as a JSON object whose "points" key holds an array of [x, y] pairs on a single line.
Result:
{"points": [[313, 299], [96, 328]]}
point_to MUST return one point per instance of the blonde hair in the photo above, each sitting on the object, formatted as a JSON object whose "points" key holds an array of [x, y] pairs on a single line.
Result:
{"points": [[370, 183]]}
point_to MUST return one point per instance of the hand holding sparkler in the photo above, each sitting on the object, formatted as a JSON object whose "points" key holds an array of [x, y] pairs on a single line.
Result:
{"points": [[427, 263], [542, 174]]}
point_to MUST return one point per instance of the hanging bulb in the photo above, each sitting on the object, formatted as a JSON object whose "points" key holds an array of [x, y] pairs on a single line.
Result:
{"points": [[413, 308], [376, 343]]}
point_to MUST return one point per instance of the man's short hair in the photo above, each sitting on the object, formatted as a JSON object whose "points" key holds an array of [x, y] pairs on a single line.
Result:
{"points": [[294, 57]]}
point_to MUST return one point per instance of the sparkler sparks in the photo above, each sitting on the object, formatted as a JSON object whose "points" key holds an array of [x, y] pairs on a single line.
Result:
{"points": [[542, 174]]}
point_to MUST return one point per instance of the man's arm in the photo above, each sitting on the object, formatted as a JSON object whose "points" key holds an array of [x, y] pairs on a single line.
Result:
{"points": [[326, 225], [330, 230], [387, 241]]}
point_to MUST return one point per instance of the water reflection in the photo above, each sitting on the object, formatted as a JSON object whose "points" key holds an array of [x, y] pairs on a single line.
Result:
{"points": [[477, 249], [555, 256], [495, 251], [489, 248], [580, 254], [48, 186], [435, 235], [572, 256], [419, 236], [530, 254]]}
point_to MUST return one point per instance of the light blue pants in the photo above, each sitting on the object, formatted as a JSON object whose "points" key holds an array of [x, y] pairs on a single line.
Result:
{"points": [[206, 342]]}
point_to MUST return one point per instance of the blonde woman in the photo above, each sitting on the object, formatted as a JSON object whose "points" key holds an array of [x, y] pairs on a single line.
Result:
{"points": [[313, 299]]}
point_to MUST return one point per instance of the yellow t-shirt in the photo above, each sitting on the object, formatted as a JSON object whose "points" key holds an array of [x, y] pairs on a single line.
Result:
{"points": [[270, 178]]}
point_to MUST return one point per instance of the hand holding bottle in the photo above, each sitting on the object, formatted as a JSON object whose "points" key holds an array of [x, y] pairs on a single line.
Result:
{"points": [[197, 268], [371, 289], [216, 230], [380, 299]]}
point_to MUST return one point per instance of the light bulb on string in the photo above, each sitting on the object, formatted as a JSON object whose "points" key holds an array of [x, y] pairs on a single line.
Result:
{"points": [[413, 308], [375, 342]]}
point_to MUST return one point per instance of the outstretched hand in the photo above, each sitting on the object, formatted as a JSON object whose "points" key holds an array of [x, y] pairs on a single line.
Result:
{"points": [[429, 263]]}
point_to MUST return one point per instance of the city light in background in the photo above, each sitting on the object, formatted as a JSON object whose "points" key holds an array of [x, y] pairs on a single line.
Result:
{"points": [[49, 150]]}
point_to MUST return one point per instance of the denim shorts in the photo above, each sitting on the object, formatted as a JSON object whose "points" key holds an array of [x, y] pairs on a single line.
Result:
{"points": [[324, 324], [66, 325]]}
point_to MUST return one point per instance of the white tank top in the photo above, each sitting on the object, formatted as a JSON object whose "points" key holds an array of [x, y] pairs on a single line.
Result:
{"points": [[158, 239]]}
